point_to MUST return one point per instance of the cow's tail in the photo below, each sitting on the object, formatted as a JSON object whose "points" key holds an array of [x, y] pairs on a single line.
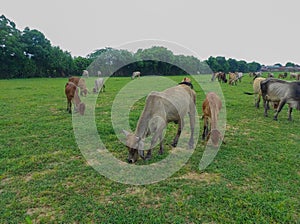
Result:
{"points": [[248, 93]]}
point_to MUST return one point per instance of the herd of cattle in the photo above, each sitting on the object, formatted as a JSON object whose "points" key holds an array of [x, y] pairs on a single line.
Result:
{"points": [[173, 104], [276, 91]]}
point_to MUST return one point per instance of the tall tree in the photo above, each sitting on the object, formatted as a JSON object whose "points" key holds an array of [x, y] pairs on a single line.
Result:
{"points": [[37, 48], [12, 58]]}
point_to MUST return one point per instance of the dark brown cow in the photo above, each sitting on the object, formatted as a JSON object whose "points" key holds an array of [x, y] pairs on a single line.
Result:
{"points": [[281, 92], [71, 92]]}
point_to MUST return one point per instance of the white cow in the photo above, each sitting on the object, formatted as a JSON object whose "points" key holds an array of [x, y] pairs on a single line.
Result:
{"points": [[85, 73], [136, 74], [99, 85]]}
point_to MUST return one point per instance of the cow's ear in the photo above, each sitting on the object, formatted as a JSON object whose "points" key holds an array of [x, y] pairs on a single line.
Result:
{"points": [[125, 132]]}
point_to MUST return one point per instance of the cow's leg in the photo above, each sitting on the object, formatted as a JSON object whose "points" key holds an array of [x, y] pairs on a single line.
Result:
{"points": [[205, 128], [161, 146], [180, 126], [156, 136], [290, 113], [69, 106], [280, 106], [257, 100], [266, 105], [192, 116]]}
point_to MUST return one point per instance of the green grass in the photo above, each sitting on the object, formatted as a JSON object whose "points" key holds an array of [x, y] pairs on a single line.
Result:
{"points": [[254, 178]]}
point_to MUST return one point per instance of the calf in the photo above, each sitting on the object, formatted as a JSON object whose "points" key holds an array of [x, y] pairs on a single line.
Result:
{"points": [[211, 107], [71, 92], [281, 92]]}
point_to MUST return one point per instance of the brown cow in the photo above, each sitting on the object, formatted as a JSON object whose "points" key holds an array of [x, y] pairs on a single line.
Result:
{"points": [[81, 84], [71, 92], [211, 107]]}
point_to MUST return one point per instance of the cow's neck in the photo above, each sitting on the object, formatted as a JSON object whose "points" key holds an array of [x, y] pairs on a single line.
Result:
{"points": [[186, 83], [142, 126]]}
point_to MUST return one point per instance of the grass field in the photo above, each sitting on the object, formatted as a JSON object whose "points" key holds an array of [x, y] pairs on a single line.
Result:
{"points": [[254, 178]]}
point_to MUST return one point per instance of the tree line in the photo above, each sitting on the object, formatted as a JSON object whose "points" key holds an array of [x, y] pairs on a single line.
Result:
{"points": [[29, 53]]}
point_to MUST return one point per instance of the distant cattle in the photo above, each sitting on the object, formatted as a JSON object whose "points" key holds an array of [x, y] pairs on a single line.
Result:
{"points": [[281, 92], [211, 107], [270, 75], [293, 75], [85, 73], [221, 76], [171, 105], [239, 76], [136, 74], [282, 76], [255, 74], [99, 85], [71, 91], [99, 73], [233, 78]]}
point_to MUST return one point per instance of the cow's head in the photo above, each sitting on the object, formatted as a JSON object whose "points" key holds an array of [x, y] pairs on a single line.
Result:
{"points": [[135, 146], [215, 135], [81, 108]]}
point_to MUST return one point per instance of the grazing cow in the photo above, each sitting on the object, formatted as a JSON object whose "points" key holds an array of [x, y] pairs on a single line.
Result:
{"points": [[270, 75], [99, 73], [281, 92], [211, 107], [81, 84], [281, 76], [99, 85], [232, 78], [71, 92], [256, 90], [136, 74], [293, 75], [221, 76], [85, 73], [161, 108], [239, 76]]}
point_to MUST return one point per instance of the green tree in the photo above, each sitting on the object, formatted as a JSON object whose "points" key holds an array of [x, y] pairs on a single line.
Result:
{"points": [[80, 63], [38, 49], [12, 58], [254, 67], [233, 65], [290, 64]]}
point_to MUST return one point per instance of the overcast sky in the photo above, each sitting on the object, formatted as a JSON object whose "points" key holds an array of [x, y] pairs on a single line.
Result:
{"points": [[265, 31]]}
